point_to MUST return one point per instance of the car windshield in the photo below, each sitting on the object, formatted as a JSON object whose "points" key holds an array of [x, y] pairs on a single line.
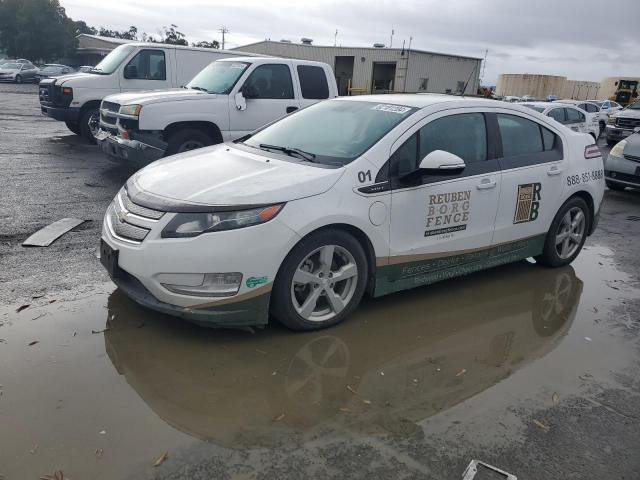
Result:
{"points": [[634, 106], [218, 77], [534, 107], [11, 66], [50, 69], [349, 128], [113, 60]]}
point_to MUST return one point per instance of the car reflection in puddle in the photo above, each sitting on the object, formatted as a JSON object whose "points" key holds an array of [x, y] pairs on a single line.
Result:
{"points": [[397, 361]]}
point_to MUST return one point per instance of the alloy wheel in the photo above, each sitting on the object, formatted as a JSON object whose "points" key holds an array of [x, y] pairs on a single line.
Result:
{"points": [[324, 283], [94, 124], [570, 233]]}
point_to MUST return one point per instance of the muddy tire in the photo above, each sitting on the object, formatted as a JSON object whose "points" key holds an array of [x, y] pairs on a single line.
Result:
{"points": [[614, 186], [74, 127], [187, 139], [89, 124], [567, 234], [321, 282]]}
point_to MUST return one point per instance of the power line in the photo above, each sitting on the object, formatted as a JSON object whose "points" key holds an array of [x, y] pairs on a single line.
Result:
{"points": [[223, 30]]}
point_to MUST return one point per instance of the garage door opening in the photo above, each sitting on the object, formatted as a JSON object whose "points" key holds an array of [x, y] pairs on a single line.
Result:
{"points": [[384, 74], [344, 73]]}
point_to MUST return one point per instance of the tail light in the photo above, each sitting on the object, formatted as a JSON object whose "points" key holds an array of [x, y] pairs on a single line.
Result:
{"points": [[592, 151]]}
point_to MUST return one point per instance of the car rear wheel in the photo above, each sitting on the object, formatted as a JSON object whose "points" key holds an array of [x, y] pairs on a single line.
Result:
{"points": [[615, 186], [90, 124], [321, 281], [611, 143], [74, 127], [187, 139], [18, 79], [567, 234]]}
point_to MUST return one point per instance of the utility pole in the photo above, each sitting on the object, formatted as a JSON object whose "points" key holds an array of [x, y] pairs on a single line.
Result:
{"points": [[223, 30], [391, 41], [335, 38], [484, 64]]}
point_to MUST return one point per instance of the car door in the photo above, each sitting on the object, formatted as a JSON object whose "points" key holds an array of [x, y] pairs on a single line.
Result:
{"points": [[534, 169], [440, 218], [149, 69], [269, 94], [576, 120]]}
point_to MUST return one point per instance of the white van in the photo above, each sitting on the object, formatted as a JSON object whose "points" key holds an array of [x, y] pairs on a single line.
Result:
{"points": [[75, 99]]}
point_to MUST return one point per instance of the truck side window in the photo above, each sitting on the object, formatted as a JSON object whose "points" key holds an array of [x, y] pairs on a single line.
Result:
{"points": [[271, 81], [313, 82], [147, 65]]}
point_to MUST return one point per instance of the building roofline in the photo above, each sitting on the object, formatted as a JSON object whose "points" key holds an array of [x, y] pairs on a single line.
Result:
{"points": [[414, 50]]}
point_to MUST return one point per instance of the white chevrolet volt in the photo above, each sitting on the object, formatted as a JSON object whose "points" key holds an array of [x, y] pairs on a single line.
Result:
{"points": [[368, 194]]}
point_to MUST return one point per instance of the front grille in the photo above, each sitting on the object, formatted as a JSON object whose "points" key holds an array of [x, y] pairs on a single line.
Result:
{"points": [[633, 158], [627, 122], [46, 93], [105, 109], [130, 221]]}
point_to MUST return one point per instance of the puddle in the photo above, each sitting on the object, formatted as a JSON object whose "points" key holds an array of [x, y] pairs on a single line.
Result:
{"points": [[152, 383]]}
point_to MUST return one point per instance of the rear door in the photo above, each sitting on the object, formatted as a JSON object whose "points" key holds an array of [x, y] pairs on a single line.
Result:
{"points": [[534, 168], [449, 214], [576, 120], [269, 94], [148, 69]]}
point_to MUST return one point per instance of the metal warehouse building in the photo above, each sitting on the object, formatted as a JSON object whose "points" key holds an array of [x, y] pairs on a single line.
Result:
{"points": [[382, 70]]}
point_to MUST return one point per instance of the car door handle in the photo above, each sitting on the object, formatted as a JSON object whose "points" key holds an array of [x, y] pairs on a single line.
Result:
{"points": [[486, 184], [554, 171], [291, 109]]}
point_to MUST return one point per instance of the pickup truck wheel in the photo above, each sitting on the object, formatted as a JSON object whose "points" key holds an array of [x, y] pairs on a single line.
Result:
{"points": [[321, 281], [187, 139], [74, 127], [18, 78], [90, 124], [611, 143], [567, 234]]}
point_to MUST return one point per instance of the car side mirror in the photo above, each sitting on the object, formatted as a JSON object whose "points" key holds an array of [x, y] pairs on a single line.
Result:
{"points": [[441, 162], [249, 91], [241, 103], [130, 71]]}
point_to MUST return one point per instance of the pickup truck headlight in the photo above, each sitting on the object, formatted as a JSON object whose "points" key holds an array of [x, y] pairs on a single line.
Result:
{"points": [[133, 110], [193, 224]]}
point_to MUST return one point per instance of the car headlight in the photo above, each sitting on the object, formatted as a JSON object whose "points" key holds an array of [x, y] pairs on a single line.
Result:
{"points": [[611, 121], [133, 110], [193, 224], [617, 150]]}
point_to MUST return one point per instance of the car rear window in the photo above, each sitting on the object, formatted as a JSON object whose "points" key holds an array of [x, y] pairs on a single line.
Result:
{"points": [[313, 82]]}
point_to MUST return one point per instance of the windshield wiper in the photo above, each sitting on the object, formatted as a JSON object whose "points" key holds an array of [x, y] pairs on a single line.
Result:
{"points": [[199, 88], [308, 156]]}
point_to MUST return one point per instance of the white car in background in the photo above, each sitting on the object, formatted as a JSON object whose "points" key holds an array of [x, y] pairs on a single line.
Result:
{"points": [[607, 106], [568, 115], [372, 193], [591, 107]]}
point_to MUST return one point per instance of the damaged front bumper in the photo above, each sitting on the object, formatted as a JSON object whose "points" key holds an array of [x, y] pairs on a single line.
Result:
{"points": [[139, 151]]}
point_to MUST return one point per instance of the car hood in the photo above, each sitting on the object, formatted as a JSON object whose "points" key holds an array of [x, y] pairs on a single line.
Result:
{"points": [[8, 70], [627, 113], [157, 96], [632, 147], [225, 175]]}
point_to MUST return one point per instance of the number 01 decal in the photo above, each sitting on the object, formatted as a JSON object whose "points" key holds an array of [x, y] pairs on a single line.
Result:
{"points": [[364, 176]]}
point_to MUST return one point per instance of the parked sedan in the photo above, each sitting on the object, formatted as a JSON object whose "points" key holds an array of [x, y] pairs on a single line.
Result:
{"points": [[591, 107], [622, 167], [373, 193], [17, 72], [569, 115], [53, 70]]}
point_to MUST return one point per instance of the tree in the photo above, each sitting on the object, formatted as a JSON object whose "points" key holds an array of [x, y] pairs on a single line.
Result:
{"points": [[131, 34], [205, 44], [35, 29], [172, 36]]}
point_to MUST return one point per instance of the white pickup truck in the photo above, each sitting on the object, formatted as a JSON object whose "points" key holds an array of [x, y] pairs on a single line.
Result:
{"points": [[228, 99]]}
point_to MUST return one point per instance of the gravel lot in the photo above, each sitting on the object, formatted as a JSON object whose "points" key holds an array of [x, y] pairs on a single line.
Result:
{"points": [[532, 370]]}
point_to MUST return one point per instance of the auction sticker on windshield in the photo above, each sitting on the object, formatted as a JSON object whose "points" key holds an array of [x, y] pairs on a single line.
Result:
{"points": [[385, 107]]}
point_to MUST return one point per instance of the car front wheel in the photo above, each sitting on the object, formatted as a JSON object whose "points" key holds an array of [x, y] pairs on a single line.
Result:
{"points": [[90, 124], [567, 234], [321, 281], [18, 79]]}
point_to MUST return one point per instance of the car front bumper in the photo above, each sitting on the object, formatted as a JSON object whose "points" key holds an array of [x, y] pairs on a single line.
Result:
{"points": [[622, 171], [617, 133], [256, 252], [130, 151], [63, 114]]}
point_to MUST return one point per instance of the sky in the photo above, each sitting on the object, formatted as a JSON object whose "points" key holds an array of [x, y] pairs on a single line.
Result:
{"points": [[579, 39]]}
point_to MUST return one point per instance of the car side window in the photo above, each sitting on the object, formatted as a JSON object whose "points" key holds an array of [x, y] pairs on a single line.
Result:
{"points": [[313, 82], [557, 114], [519, 135], [606, 105], [591, 108], [147, 65], [574, 116], [270, 81]]}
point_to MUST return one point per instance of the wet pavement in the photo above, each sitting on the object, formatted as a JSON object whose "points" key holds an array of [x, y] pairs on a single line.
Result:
{"points": [[530, 369]]}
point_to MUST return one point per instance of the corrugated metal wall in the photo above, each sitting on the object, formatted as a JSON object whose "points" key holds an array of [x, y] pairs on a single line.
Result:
{"points": [[442, 71]]}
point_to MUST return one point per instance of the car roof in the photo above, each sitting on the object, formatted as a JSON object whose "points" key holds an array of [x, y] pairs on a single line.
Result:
{"points": [[419, 100], [266, 59]]}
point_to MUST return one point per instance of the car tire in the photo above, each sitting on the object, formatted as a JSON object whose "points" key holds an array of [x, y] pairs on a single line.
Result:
{"points": [[187, 139], [74, 127], [307, 261], [602, 127], [18, 78], [595, 138], [611, 143], [89, 129], [567, 234], [614, 186]]}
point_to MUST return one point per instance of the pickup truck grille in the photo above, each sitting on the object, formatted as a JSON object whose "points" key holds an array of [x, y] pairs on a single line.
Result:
{"points": [[130, 221], [105, 109], [627, 122], [47, 94]]}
